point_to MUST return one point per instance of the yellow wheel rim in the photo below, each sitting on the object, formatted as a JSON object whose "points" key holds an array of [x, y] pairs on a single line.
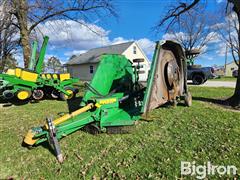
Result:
{"points": [[22, 95], [71, 94]]}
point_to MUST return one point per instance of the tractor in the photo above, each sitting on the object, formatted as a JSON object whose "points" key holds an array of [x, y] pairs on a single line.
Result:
{"points": [[115, 98], [23, 84]]}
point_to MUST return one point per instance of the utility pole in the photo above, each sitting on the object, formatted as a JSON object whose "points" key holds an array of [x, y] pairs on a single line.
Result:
{"points": [[225, 65]]}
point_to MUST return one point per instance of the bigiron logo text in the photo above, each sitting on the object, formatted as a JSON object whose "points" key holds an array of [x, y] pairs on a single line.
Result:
{"points": [[207, 169]]}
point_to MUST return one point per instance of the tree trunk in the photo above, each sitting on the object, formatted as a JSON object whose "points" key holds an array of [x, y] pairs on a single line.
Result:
{"points": [[21, 14], [235, 99], [26, 47], [2, 64]]}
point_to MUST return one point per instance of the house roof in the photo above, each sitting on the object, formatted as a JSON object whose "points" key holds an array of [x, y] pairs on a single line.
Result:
{"points": [[92, 56]]}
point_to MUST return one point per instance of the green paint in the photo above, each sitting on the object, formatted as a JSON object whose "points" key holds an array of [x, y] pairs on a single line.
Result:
{"points": [[39, 64], [114, 74], [111, 68], [13, 84], [150, 79], [33, 57], [116, 95]]}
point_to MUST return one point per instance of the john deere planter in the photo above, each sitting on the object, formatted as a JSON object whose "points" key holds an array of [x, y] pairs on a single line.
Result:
{"points": [[32, 83], [115, 98]]}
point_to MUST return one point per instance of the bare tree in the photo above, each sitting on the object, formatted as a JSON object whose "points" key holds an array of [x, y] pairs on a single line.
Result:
{"points": [[182, 8], [53, 64], [231, 36], [228, 31], [193, 30], [30, 14], [175, 12], [8, 33], [9, 63]]}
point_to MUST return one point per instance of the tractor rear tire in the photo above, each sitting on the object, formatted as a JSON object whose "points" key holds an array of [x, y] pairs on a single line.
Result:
{"points": [[70, 90]]}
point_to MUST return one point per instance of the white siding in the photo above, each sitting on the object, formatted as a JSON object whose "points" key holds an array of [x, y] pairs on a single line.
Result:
{"points": [[230, 68], [82, 71], [129, 53]]}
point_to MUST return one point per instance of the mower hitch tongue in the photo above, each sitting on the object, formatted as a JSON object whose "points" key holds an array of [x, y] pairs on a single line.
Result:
{"points": [[115, 97]]}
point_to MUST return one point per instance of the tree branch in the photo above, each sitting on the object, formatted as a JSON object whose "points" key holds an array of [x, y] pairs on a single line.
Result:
{"points": [[175, 12], [42, 19]]}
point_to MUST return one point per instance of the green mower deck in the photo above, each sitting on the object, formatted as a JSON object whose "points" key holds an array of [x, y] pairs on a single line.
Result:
{"points": [[115, 98]]}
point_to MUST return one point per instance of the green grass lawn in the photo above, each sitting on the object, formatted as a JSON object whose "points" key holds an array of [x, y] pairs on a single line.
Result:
{"points": [[153, 149], [227, 78]]}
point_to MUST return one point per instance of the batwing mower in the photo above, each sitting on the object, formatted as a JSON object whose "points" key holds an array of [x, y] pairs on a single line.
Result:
{"points": [[115, 98]]}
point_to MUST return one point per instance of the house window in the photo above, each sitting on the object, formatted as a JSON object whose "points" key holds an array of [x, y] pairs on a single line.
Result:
{"points": [[134, 50], [232, 69], [91, 69]]}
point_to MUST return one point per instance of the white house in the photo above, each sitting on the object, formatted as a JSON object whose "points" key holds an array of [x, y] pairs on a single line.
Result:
{"points": [[84, 65], [230, 67]]}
